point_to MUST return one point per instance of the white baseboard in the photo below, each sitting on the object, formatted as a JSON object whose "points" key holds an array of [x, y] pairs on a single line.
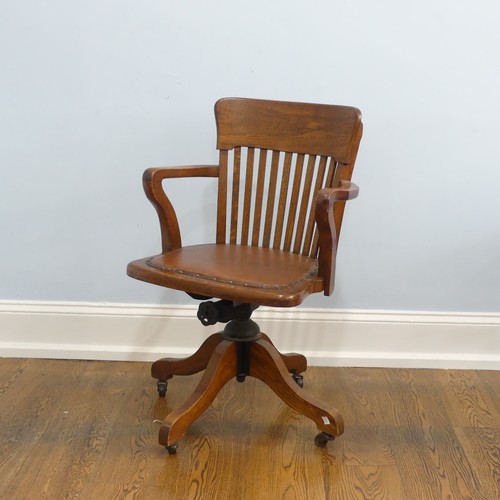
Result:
{"points": [[327, 337]]}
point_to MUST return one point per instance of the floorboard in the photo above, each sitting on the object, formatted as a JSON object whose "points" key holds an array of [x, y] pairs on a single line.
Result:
{"points": [[88, 430]]}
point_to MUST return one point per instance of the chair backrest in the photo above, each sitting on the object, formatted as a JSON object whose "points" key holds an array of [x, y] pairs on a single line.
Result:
{"points": [[274, 157]]}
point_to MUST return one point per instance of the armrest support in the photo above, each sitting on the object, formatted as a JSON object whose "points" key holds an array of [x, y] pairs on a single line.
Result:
{"points": [[152, 182], [327, 228]]}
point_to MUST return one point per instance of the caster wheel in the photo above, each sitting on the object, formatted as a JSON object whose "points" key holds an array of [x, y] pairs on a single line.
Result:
{"points": [[321, 440], [161, 385], [299, 379], [172, 449]]}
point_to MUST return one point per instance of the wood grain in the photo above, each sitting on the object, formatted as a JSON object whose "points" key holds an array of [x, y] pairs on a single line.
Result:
{"points": [[410, 434], [259, 197], [367, 481], [292, 211], [427, 444], [152, 184], [280, 216], [271, 196], [267, 365], [467, 406], [222, 198], [247, 202], [221, 368], [165, 368], [304, 204], [306, 128], [235, 195], [482, 447]]}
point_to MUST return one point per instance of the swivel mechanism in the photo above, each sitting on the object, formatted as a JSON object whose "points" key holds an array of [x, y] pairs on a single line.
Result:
{"points": [[223, 311], [239, 351]]}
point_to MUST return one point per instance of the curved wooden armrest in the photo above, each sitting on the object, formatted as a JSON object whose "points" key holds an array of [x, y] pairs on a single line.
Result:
{"points": [[152, 179], [327, 231]]}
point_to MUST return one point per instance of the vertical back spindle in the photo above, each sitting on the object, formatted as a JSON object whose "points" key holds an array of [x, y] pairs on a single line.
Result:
{"points": [[280, 218], [222, 198], [271, 195], [247, 202], [320, 176], [235, 196], [306, 193], [292, 211], [259, 197]]}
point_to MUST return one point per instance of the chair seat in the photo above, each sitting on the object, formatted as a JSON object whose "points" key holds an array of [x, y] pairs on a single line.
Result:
{"points": [[250, 274]]}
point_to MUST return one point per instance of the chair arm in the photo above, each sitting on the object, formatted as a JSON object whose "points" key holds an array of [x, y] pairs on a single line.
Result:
{"points": [[152, 182], [327, 229]]}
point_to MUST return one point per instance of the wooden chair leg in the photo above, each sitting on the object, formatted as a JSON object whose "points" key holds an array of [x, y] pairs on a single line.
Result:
{"points": [[267, 365], [165, 368], [220, 369], [294, 362]]}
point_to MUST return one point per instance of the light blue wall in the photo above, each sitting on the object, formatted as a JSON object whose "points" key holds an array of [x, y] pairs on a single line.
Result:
{"points": [[92, 92]]}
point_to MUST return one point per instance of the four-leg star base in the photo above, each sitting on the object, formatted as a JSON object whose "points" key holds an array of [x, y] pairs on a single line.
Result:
{"points": [[221, 360]]}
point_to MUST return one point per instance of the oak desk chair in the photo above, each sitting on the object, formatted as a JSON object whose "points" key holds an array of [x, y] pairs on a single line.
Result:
{"points": [[283, 179]]}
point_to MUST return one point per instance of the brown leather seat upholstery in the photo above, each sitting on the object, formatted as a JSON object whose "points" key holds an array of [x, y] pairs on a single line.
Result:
{"points": [[233, 272]]}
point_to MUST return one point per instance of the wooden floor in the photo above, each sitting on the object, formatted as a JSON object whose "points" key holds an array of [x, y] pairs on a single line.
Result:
{"points": [[88, 430]]}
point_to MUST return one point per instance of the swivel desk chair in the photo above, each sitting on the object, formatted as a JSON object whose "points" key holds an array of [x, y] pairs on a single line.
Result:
{"points": [[284, 175]]}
